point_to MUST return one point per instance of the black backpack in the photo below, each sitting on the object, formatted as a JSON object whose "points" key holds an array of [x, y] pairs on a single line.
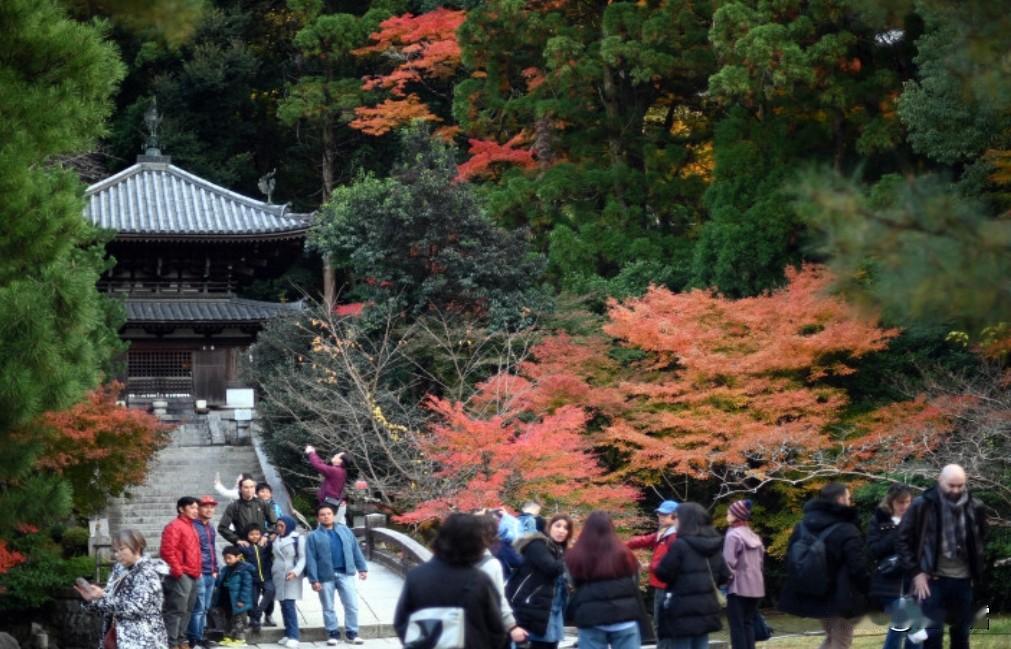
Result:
{"points": [[807, 562]]}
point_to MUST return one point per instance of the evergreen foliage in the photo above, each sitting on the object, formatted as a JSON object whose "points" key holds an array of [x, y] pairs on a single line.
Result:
{"points": [[56, 331], [418, 241], [608, 98]]}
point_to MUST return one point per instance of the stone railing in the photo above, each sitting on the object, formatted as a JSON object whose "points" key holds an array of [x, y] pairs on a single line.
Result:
{"points": [[394, 550]]}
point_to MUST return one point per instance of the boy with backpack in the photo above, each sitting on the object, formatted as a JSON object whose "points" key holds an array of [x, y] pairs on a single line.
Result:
{"points": [[826, 567], [261, 559], [234, 596]]}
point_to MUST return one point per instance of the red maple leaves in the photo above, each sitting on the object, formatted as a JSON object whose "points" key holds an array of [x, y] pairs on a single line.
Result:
{"points": [[425, 47]]}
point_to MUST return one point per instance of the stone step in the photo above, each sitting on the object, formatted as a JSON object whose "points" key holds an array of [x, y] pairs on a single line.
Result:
{"points": [[187, 466]]}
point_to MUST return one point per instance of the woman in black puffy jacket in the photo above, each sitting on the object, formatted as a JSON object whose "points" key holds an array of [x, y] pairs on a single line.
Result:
{"points": [[605, 606], [882, 533], [538, 590], [691, 568]]}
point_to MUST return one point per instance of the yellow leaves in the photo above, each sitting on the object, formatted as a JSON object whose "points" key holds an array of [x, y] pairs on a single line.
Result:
{"points": [[1000, 160], [380, 418]]}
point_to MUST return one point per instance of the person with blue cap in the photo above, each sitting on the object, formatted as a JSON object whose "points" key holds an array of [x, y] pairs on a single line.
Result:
{"points": [[659, 542]]}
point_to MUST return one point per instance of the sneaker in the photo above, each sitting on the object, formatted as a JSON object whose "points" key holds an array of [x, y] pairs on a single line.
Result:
{"points": [[332, 642], [354, 639], [292, 644], [268, 621], [283, 641]]}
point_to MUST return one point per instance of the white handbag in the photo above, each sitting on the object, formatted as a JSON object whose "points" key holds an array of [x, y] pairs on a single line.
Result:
{"points": [[435, 628]]}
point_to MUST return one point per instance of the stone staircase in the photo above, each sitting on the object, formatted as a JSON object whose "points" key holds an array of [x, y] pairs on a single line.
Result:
{"points": [[184, 468]]}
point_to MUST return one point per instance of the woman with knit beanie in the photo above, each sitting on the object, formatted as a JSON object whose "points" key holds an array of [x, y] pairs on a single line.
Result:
{"points": [[744, 554]]}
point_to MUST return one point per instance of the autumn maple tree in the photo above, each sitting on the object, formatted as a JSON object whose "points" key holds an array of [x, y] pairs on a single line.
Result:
{"points": [[426, 51], [703, 386], [504, 459], [99, 447]]}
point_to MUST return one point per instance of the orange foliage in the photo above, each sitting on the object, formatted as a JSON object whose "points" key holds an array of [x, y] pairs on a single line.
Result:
{"points": [[485, 153], [9, 558], [534, 76], [504, 459], [391, 114], [427, 47], [713, 382], [99, 446]]}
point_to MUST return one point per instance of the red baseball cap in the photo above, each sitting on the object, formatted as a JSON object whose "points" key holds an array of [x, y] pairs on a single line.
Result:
{"points": [[207, 500]]}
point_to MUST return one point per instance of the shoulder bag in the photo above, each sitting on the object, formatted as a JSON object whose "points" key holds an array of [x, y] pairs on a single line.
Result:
{"points": [[721, 597], [438, 627]]}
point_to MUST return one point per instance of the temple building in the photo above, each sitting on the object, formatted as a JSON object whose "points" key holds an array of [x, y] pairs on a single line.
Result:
{"points": [[184, 249]]}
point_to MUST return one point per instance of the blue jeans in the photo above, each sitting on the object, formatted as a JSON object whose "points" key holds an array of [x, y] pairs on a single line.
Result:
{"points": [[345, 587], [593, 638], [949, 598], [690, 642], [290, 617], [198, 620], [893, 640]]}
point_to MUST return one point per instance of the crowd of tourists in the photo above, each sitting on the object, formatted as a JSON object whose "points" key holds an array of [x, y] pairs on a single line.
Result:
{"points": [[497, 580], [169, 601]]}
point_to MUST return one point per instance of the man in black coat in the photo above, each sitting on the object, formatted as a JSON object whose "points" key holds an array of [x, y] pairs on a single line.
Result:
{"points": [[246, 511], [846, 580], [941, 540]]}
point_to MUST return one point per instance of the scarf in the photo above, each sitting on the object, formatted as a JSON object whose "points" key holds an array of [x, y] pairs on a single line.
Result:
{"points": [[953, 526]]}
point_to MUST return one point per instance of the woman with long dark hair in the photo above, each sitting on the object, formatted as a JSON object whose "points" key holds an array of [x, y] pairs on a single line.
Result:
{"points": [[693, 568], [605, 606], [538, 590]]}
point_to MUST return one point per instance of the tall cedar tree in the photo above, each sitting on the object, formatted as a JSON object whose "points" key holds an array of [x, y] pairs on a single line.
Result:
{"points": [[55, 333], [606, 97], [807, 82], [935, 247], [327, 86]]}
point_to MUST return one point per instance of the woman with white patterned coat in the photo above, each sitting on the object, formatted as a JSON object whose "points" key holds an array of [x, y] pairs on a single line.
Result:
{"points": [[132, 599]]}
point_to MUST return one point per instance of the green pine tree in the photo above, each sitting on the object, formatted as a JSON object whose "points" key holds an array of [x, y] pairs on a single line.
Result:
{"points": [[55, 328]]}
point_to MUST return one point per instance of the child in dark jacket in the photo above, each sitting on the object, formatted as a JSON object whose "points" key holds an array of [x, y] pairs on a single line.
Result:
{"points": [[261, 559], [233, 595]]}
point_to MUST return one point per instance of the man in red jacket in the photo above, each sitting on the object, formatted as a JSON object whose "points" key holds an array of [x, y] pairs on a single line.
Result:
{"points": [[659, 542], [180, 549]]}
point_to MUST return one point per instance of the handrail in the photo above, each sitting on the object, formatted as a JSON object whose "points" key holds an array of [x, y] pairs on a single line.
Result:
{"points": [[390, 548]]}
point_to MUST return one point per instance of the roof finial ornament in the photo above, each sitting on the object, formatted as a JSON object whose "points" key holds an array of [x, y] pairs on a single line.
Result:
{"points": [[267, 183], [152, 119]]}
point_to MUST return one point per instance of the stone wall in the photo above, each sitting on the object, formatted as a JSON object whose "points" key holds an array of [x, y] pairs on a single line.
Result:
{"points": [[62, 624]]}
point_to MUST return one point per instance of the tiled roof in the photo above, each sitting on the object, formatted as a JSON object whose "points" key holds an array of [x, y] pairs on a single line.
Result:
{"points": [[221, 309], [155, 198]]}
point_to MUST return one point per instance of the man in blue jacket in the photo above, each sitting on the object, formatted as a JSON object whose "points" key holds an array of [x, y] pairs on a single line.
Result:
{"points": [[332, 558]]}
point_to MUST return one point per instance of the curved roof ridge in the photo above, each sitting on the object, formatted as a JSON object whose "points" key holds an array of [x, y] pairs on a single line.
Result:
{"points": [[161, 199]]}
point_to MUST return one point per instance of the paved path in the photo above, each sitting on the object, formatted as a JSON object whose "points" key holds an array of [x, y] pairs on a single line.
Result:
{"points": [[377, 601]]}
